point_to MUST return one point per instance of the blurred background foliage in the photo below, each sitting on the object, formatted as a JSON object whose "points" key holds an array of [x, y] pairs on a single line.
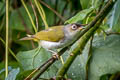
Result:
{"points": [[102, 66]]}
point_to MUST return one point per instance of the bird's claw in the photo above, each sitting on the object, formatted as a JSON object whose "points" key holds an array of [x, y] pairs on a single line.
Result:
{"points": [[56, 56]]}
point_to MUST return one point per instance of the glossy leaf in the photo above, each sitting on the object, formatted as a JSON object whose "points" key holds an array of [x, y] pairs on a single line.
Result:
{"points": [[105, 57], [19, 19], [79, 16], [12, 74], [77, 70], [2, 8], [34, 58], [85, 3], [114, 20]]}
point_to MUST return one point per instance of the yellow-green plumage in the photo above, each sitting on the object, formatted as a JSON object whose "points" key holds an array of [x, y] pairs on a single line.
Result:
{"points": [[53, 34]]}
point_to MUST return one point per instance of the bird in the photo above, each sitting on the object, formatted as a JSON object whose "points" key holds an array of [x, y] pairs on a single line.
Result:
{"points": [[57, 36]]}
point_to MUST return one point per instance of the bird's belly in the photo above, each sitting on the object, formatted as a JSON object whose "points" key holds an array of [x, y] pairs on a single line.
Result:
{"points": [[55, 45], [50, 45]]}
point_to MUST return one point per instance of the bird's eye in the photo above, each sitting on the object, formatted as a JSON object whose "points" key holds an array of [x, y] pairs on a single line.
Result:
{"points": [[74, 27]]}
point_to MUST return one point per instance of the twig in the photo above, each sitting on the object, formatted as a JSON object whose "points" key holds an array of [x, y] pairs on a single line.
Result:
{"points": [[52, 10], [35, 14], [110, 33]]}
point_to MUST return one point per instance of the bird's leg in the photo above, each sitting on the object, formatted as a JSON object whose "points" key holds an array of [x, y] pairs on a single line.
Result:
{"points": [[55, 55]]}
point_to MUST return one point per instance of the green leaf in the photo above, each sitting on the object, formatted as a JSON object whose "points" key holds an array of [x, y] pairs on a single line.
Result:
{"points": [[19, 17], [85, 3], [2, 8], [77, 70], [12, 74], [12, 65], [105, 57], [34, 58], [114, 20], [23, 74], [96, 3], [80, 16]]}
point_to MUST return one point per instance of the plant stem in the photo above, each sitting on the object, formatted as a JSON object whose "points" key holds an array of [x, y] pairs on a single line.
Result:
{"points": [[34, 27], [12, 53], [42, 13], [6, 48]]}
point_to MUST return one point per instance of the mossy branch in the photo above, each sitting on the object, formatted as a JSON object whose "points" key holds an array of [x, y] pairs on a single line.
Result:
{"points": [[84, 39]]}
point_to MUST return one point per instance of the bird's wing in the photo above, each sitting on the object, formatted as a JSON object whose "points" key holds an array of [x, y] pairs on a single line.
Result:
{"points": [[53, 34]]}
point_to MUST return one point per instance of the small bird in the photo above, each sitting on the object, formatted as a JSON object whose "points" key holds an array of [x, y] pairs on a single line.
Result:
{"points": [[57, 36]]}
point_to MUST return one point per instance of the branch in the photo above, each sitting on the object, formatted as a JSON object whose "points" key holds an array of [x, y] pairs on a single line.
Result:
{"points": [[52, 10], [82, 41]]}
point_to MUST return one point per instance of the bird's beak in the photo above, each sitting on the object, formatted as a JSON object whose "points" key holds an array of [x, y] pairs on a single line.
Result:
{"points": [[82, 26]]}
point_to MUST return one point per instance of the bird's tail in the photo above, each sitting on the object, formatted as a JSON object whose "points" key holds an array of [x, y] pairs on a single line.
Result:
{"points": [[29, 37]]}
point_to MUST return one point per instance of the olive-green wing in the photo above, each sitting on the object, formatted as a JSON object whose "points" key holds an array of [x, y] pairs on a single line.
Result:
{"points": [[53, 34]]}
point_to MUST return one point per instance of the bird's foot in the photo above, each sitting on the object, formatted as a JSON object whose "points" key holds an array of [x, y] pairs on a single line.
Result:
{"points": [[56, 56]]}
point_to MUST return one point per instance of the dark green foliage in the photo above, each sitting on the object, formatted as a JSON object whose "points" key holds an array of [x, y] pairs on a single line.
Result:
{"points": [[104, 63]]}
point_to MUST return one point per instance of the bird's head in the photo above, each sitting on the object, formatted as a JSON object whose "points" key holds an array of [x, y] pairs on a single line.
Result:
{"points": [[72, 30]]}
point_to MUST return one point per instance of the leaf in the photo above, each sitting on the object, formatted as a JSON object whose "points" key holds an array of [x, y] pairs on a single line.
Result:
{"points": [[105, 57], [19, 16], [77, 70], [80, 16], [96, 3], [12, 65], [114, 20], [23, 74], [2, 8], [85, 3], [9, 68], [12, 74], [34, 58]]}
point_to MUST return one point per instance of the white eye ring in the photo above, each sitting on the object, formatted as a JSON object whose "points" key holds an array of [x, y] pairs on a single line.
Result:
{"points": [[74, 27]]}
